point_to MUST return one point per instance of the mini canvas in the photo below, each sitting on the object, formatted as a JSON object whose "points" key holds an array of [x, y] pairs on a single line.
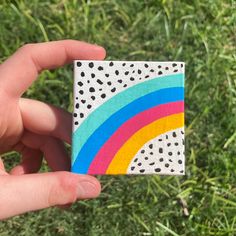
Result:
{"points": [[128, 118]]}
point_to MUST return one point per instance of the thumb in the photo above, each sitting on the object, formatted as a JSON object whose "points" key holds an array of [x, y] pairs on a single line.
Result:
{"points": [[20, 194]]}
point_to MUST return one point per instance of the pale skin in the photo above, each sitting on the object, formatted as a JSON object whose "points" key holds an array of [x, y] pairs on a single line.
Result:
{"points": [[38, 130]]}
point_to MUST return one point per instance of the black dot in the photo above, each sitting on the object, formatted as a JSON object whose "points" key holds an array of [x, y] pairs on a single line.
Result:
{"points": [[158, 169], [76, 123], [119, 80], [136, 159], [183, 141], [125, 85], [127, 72], [77, 98], [107, 75], [170, 160], [91, 65], [83, 101], [176, 144], [161, 159], [81, 92], [100, 68], [91, 89], [92, 75], [159, 72], [82, 74], [146, 65], [151, 153], [131, 78], [142, 171], [167, 165], [109, 82], [132, 168], [117, 72], [170, 153], [166, 136], [139, 71], [159, 66], [160, 150], [81, 115], [178, 152], [172, 170], [111, 63], [168, 144], [181, 171], [80, 83], [151, 146], [113, 90], [133, 71], [142, 151], [146, 158], [89, 106], [175, 70], [103, 95], [88, 81], [75, 114], [167, 68], [99, 81], [159, 139], [123, 64], [140, 78], [152, 163], [181, 65], [180, 161], [100, 89], [151, 70], [182, 132], [147, 76], [139, 164], [132, 65], [174, 64], [79, 64], [93, 97], [77, 105]]}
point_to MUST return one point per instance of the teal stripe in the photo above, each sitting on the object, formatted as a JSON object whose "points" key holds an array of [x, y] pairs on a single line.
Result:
{"points": [[103, 112]]}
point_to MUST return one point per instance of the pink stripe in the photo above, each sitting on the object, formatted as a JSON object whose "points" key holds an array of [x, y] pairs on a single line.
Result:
{"points": [[103, 158]]}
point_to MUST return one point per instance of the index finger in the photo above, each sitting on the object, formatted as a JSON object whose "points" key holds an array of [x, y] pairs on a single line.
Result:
{"points": [[19, 71]]}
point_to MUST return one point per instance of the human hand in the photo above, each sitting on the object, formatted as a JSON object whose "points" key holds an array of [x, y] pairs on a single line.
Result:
{"points": [[36, 129]]}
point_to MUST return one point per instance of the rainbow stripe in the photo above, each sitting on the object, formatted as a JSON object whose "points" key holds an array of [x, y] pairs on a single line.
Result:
{"points": [[110, 136]]}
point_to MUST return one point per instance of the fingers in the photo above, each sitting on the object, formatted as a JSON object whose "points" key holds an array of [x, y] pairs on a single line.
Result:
{"points": [[19, 194], [2, 168], [52, 148], [31, 160], [22, 68], [45, 119]]}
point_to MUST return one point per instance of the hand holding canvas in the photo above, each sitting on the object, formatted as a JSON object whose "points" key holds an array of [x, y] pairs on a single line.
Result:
{"points": [[37, 130]]}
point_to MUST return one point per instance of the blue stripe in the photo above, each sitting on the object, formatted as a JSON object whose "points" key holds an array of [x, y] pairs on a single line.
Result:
{"points": [[103, 132]]}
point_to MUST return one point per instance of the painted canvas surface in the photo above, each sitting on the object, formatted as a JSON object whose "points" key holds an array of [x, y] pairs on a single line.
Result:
{"points": [[128, 118]]}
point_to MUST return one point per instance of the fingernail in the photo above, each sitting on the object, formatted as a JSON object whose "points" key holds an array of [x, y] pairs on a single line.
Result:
{"points": [[87, 190]]}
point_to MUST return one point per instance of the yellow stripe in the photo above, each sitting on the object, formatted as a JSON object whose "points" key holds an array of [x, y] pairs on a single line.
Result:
{"points": [[123, 157]]}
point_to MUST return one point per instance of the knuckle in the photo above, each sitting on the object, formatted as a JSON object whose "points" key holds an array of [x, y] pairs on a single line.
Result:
{"points": [[63, 190]]}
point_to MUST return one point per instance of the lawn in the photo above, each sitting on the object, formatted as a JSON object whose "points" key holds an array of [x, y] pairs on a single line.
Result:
{"points": [[201, 33]]}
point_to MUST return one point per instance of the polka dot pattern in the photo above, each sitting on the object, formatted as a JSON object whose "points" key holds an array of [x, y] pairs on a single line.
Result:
{"points": [[98, 81], [163, 155]]}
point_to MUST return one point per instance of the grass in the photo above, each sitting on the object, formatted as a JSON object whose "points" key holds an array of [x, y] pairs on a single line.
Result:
{"points": [[201, 33]]}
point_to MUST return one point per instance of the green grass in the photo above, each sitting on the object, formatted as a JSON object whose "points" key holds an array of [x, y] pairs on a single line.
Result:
{"points": [[201, 33]]}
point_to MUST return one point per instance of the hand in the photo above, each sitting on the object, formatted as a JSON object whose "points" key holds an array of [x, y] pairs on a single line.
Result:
{"points": [[36, 129]]}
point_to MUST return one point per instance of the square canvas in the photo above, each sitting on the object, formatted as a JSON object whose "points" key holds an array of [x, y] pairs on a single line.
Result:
{"points": [[128, 118]]}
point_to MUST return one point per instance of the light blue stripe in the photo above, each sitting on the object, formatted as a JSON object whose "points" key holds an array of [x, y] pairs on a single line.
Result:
{"points": [[103, 112]]}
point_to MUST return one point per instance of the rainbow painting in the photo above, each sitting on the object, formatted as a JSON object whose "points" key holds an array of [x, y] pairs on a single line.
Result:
{"points": [[128, 118]]}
